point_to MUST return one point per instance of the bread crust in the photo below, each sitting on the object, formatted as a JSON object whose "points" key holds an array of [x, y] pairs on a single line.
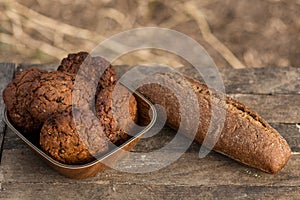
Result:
{"points": [[245, 137]]}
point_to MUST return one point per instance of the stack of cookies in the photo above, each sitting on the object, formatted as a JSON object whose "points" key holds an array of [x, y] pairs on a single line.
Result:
{"points": [[44, 105]]}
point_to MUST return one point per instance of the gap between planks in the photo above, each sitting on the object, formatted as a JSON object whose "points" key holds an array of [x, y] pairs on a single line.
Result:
{"points": [[119, 191], [6, 75]]}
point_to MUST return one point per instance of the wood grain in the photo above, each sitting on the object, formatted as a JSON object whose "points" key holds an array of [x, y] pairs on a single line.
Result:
{"points": [[47, 67], [265, 80], [29, 191], [22, 166], [279, 108], [6, 74]]}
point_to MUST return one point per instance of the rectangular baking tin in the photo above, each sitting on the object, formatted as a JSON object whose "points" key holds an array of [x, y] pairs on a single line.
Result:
{"points": [[92, 168]]}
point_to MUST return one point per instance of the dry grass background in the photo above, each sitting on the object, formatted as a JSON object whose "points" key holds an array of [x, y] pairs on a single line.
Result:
{"points": [[236, 33]]}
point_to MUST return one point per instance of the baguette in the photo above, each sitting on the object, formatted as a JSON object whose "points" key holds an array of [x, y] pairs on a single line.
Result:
{"points": [[245, 137]]}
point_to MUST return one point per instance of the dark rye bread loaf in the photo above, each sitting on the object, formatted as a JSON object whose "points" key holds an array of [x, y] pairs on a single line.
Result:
{"points": [[245, 137]]}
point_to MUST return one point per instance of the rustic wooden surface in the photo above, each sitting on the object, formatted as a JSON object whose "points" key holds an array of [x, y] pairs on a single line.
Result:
{"points": [[272, 92], [6, 74]]}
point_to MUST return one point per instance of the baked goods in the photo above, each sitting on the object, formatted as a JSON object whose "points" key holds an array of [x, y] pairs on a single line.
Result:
{"points": [[35, 94], [68, 143], [246, 137], [72, 62], [116, 109], [42, 102], [90, 67], [35, 97], [17, 97], [60, 138], [53, 93]]}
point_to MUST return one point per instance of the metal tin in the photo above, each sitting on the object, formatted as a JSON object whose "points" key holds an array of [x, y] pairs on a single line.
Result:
{"points": [[92, 168]]}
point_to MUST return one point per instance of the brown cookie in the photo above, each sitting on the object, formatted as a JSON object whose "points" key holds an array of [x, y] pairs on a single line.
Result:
{"points": [[90, 67], [117, 112], [53, 93], [68, 143], [18, 95], [72, 62]]}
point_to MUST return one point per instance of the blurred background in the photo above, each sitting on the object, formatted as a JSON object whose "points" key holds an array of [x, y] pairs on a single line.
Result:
{"points": [[236, 33]]}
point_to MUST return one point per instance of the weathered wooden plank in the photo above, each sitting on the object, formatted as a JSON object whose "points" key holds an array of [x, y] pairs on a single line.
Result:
{"points": [[47, 67], [24, 191], [265, 80], [291, 133], [279, 108], [21, 165], [6, 74]]}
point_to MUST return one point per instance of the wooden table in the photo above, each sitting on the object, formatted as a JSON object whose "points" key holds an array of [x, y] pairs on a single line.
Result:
{"points": [[272, 92]]}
